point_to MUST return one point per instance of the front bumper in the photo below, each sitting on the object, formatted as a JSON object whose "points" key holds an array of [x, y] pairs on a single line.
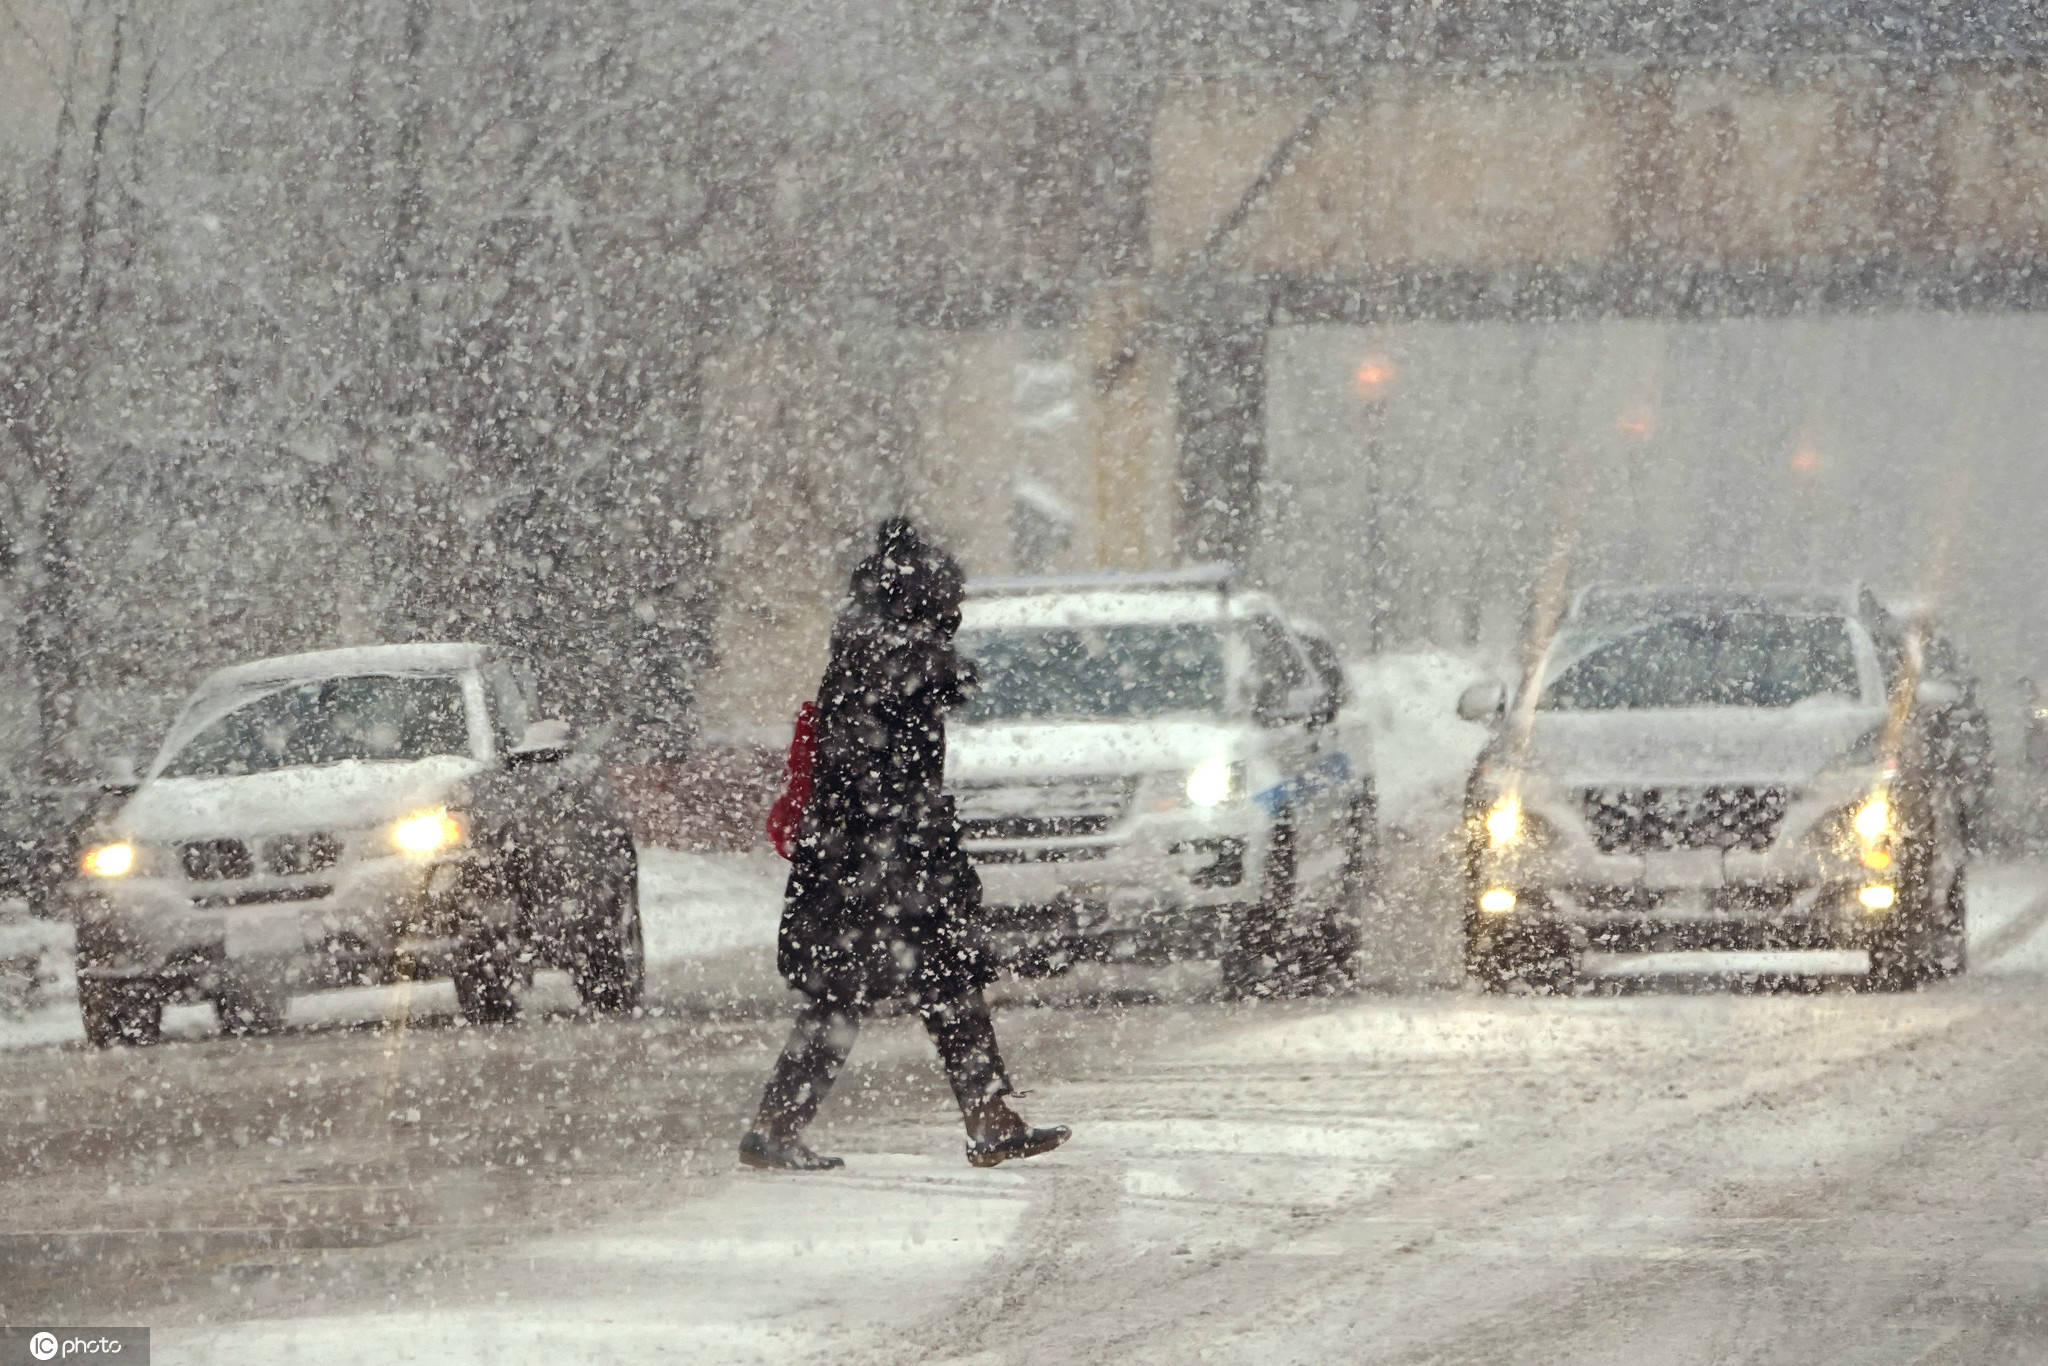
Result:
{"points": [[1154, 890], [368, 921], [1665, 920], [1791, 878]]}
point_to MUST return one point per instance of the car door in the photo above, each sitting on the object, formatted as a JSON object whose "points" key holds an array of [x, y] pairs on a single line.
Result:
{"points": [[554, 821], [1314, 803]]}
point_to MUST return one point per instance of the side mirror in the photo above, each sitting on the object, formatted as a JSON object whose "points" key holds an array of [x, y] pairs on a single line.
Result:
{"points": [[545, 742], [117, 777], [1276, 705], [1485, 702], [1937, 693]]}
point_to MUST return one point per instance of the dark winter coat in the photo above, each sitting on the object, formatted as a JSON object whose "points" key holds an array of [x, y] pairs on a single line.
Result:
{"points": [[881, 903]]}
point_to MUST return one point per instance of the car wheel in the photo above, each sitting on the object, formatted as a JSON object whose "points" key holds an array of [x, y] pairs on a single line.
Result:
{"points": [[1952, 949], [1906, 955], [486, 975], [129, 1013], [610, 965], [1344, 927], [1256, 959], [245, 1010]]}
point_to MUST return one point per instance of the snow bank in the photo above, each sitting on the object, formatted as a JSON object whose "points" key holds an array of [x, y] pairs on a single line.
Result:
{"points": [[1422, 751], [694, 905]]}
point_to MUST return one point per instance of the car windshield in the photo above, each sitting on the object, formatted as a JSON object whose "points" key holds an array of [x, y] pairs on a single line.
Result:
{"points": [[1095, 672], [370, 717], [1745, 659]]}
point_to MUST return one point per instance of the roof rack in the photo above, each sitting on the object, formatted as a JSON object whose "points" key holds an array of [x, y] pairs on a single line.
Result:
{"points": [[1214, 578]]}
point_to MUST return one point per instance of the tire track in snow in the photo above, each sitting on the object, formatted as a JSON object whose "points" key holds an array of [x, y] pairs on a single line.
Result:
{"points": [[1076, 1295]]}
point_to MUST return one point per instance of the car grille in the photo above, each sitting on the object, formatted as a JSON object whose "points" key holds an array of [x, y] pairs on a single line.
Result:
{"points": [[290, 855], [216, 860], [1640, 820], [1054, 810], [262, 896], [1068, 853]]}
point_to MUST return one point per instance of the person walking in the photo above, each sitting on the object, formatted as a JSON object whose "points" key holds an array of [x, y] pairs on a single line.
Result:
{"points": [[881, 901]]}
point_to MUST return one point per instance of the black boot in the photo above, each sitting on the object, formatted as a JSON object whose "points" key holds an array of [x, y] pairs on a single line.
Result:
{"points": [[767, 1152], [995, 1134]]}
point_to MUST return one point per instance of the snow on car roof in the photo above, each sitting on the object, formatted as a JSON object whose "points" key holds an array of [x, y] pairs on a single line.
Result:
{"points": [[431, 657], [1098, 608], [1215, 578]]}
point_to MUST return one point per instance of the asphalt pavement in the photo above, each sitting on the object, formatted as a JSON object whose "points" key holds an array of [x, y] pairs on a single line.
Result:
{"points": [[1662, 1172]]}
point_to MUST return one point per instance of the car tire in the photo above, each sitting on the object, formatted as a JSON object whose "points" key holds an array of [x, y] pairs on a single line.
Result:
{"points": [[1904, 957], [486, 977], [244, 1011], [1952, 949], [1344, 928], [125, 1013], [610, 964], [1256, 960]]}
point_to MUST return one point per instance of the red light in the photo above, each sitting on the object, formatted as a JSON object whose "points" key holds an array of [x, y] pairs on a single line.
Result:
{"points": [[1806, 460], [1639, 422], [1373, 376]]}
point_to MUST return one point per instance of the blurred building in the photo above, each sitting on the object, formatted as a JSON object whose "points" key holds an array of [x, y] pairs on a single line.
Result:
{"points": [[1397, 303]]}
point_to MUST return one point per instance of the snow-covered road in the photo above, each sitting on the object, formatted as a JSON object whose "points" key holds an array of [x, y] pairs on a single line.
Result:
{"points": [[1643, 1177]]}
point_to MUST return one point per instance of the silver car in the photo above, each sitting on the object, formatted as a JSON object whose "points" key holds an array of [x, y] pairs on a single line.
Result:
{"points": [[356, 816], [1688, 770]]}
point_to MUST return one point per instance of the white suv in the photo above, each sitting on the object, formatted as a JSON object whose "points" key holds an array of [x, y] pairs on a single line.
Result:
{"points": [[1148, 771], [357, 815]]}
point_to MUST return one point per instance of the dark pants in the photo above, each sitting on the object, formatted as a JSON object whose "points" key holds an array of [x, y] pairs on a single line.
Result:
{"points": [[824, 1035]]}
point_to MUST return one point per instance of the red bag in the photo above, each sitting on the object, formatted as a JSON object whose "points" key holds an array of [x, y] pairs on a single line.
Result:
{"points": [[786, 817]]}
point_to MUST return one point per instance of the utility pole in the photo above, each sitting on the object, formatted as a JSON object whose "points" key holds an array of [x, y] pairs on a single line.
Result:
{"points": [[1371, 383]]}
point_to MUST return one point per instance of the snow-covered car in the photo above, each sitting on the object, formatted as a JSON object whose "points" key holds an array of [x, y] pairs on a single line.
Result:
{"points": [[1147, 772], [352, 816], [1710, 770]]}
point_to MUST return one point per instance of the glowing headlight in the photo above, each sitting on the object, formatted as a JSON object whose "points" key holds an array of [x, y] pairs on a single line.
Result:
{"points": [[1874, 818], [425, 832], [1504, 821], [110, 860], [1212, 782], [1877, 897], [1497, 901]]}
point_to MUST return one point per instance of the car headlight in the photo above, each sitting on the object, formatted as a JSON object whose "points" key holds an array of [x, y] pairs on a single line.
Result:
{"points": [[1873, 819], [1214, 782], [1504, 824], [426, 832], [109, 860]]}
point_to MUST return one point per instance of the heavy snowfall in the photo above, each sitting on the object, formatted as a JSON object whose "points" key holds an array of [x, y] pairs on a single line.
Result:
{"points": [[1171, 680]]}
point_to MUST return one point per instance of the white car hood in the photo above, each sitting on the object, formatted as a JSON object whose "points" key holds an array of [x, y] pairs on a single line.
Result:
{"points": [[1025, 751], [1696, 747], [292, 800]]}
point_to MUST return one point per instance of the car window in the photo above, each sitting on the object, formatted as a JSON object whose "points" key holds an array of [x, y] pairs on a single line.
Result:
{"points": [[1100, 671], [369, 718], [512, 708], [1322, 656], [1275, 661], [1750, 659]]}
